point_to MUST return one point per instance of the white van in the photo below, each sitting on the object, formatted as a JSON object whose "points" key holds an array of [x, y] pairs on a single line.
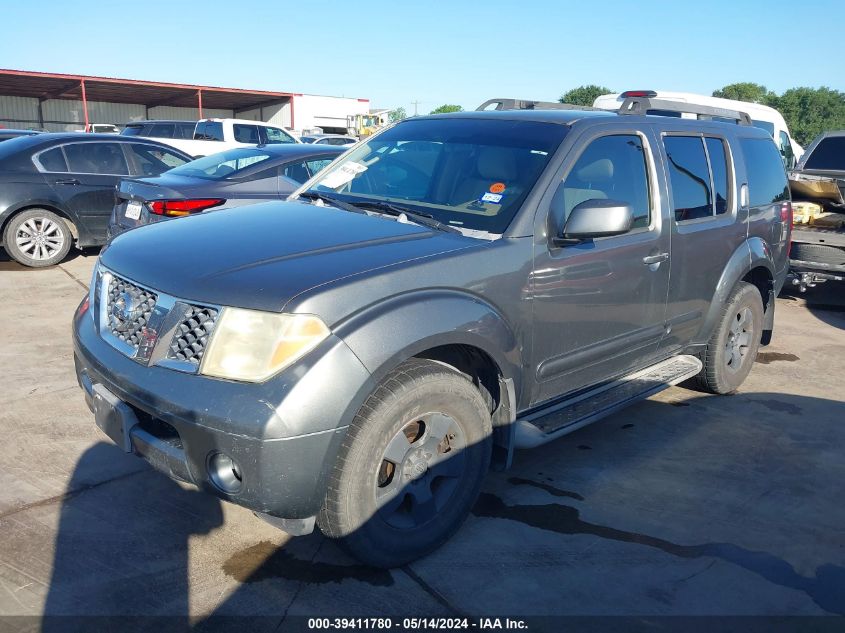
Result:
{"points": [[762, 116]]}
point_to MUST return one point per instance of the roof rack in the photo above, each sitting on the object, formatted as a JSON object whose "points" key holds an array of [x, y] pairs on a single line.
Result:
{"points": [[642, 105], [525, 104]]}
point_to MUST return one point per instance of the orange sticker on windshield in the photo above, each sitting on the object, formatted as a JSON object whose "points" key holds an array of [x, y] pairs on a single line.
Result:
{"points": [[497, 187]]}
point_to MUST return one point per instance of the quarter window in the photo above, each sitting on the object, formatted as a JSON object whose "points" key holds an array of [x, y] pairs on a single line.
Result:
{"points": [[611, 167], [53, 160], [767, 183], [96, 158]]}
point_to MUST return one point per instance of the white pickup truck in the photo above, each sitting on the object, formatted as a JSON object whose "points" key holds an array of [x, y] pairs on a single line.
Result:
{"points": [[211, 135]]}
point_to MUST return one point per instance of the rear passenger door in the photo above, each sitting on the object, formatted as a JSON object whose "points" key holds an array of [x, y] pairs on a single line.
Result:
{"points": [[599, 305], [87, 188], [701, 188]]}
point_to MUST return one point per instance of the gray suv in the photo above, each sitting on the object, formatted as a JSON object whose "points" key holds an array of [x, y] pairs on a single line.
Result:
{"points": [[453, 288]]}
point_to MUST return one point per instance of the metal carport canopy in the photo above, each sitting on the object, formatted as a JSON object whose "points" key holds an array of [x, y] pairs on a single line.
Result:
{"points": [[43, 86]]}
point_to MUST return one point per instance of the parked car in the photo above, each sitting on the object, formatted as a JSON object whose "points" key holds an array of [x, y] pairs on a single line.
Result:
{"points": [[236, 177], [7, 133], [211, 136], [818, 187], [101, 128], [58, 189], [329, 139], [359, 355], [161, 130], [762, 116]]}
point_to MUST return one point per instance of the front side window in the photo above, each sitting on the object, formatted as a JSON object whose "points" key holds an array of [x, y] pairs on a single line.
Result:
{"points": [[223, 165], [152, 161], [316, 166], [274, 136], [298, 172], [785, 146], [690, 177], [209, 131], [469, 173], [767, 183], [133, 130], [610, 168], [829, 154], [96, 158], [246, 133], [162, 130]]}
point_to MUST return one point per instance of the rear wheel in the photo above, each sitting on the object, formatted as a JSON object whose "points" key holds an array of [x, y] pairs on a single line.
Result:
{"points": [[411, 466], [732, 348], [37, 238]]}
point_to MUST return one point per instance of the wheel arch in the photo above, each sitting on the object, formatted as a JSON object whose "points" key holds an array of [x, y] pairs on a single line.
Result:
{"points": [[38, 204]]}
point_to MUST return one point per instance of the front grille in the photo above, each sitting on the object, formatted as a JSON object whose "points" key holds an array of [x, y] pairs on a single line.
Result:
{"points": [[191, 335], [128, 310]]}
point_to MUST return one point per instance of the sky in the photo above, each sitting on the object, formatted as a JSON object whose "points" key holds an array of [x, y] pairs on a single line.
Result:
{"points": [[433, 52]]}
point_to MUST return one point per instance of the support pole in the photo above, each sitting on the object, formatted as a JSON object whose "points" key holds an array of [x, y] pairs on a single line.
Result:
{"points": [[84, 103], [41, 113], [199, 97]]}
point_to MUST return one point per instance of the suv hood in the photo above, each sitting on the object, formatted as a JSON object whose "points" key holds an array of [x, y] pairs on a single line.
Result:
{"points": [[263, 255]]}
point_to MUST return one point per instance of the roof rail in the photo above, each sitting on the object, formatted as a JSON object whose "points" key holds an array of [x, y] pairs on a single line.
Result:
{"points": [[525, 104], [642, 105]]}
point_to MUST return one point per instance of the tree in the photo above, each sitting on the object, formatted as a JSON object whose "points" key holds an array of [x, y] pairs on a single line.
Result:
{"points": [[810, 111], [746, 91], [447, 108], [397, 115], [584, 95]]}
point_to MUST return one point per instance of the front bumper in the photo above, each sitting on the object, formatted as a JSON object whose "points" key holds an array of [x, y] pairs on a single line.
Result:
{"points": [[284, 434]]}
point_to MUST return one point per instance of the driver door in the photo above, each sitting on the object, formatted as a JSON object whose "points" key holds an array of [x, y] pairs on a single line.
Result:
{"points": [[599, 305]]}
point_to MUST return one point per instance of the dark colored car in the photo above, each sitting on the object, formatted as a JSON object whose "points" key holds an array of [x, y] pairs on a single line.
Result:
{"points": [[8, 133], [160, 129], [329, 139], [236, 177], [453, 288], [58, 189]]}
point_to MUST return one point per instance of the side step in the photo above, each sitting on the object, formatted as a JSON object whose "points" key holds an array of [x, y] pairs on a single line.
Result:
{"points": [[569, 415]]}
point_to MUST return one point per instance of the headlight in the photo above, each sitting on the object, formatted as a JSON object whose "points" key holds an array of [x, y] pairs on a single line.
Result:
{"points": [[252, 346]]}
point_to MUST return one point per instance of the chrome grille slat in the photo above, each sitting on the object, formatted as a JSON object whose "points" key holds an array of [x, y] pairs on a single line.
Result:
{"points": [[138, 301], [191, 335]]}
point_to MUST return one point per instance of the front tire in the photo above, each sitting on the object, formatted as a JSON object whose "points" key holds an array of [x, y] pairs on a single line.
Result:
{"points": [[37, 238], [732, 348], [411, 465]]}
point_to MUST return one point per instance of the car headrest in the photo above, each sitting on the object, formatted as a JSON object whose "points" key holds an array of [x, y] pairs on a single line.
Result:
{"points": [[497, 163], [597, 171]]}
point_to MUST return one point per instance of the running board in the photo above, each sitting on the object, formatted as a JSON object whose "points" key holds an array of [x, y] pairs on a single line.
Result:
{"points": [[569, 415]]}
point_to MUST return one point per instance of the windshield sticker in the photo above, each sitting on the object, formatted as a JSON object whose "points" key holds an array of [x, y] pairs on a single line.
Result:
{"points": [[343, 175], [491, 198], [497, 187]]}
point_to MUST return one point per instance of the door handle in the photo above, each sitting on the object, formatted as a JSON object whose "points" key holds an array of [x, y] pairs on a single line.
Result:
{"points": [[648, 260], [67, 181]]}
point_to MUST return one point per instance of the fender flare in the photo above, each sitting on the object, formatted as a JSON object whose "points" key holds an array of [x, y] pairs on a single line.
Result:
{"points": [[752, 253], [385, 334]]}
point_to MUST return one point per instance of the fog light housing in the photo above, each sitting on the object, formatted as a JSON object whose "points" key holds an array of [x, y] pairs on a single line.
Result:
{"points": [[224, 473]]}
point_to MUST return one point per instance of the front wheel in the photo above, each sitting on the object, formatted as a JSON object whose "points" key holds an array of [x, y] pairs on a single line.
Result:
{"points": [[410, 467], [732, 348], [37, 238]]}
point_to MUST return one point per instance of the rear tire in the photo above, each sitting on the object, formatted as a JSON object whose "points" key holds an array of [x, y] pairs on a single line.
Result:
{"points": [[411, 465], [732, 348], [37, 238]]}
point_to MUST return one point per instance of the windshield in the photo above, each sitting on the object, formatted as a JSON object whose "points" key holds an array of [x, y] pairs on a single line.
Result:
{"points": [[223, 165], [468, 173]]}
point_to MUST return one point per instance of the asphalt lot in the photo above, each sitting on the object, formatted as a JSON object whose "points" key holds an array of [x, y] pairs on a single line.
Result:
{"points": [[682, 505]]}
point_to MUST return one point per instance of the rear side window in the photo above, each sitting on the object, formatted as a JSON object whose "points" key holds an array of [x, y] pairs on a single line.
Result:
{"points": [[719, 167], [96, 158], [828, 154], [161, 130], [151, 160], [246, 133], [53, 160], [690, 177], [275, 136], [610, 168], [209, 131], [767, 183], [185, 130]]}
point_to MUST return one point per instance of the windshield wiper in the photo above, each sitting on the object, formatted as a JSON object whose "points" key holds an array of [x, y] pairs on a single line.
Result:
{"points": [[416, 216], [340, 204]]}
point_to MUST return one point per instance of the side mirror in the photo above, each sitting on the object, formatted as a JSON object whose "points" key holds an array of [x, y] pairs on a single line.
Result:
{"points": [[596, 218]]}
